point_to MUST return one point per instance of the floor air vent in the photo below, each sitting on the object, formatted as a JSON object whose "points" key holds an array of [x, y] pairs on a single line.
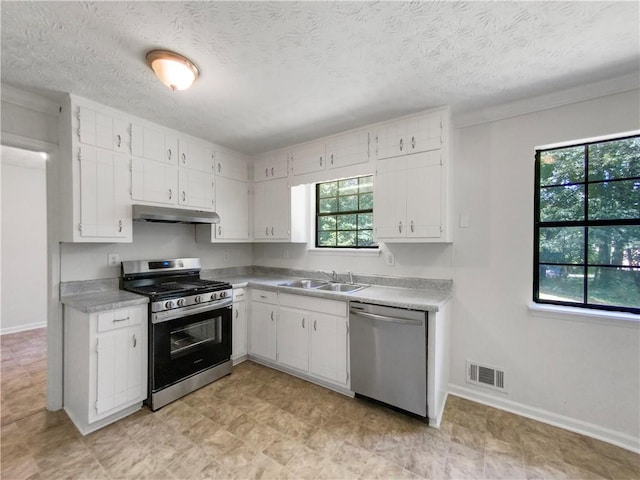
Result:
{"points": [[486, 376]]}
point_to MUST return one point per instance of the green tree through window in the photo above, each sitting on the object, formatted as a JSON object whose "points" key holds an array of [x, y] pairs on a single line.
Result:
{"points": [[344, 213], [587, 225]]}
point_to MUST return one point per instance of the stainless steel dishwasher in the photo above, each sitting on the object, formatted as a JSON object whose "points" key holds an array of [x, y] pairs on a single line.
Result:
{"points": [[389, 356]]}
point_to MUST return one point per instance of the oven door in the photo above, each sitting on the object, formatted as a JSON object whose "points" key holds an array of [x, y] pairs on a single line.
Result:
{"points": [[189, 344]]}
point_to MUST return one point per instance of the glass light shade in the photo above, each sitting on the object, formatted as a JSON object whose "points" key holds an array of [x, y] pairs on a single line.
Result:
{"points": [[174, 70]]}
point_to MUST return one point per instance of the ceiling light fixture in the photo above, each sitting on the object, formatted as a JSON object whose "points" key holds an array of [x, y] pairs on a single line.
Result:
{"points": [[174, 70]]}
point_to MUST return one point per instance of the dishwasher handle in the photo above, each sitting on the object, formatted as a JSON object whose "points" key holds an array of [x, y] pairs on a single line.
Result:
{"points": [[384, 318]]}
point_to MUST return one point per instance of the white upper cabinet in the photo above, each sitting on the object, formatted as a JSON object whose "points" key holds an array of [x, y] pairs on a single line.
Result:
{"points": [[195, 189], [349, 149], [270, 166], [195, 156], [103, 130], [154, 144], [232, 204], [409, 135], [271, 210], [153, 181], [308, 158], [230, 164]]}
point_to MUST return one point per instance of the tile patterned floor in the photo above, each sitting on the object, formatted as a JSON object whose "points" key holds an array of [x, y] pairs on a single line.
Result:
{"points": [[260, 423]]}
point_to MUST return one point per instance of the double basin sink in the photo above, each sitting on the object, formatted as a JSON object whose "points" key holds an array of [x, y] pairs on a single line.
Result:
{"points": [[312, 283]]}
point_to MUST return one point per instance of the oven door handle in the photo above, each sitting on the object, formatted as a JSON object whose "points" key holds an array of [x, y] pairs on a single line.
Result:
{"points": [[160, 317]]}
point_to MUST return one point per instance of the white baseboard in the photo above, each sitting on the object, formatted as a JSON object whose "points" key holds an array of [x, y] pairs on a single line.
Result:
{"points": [[22, 328], [574, 425]]}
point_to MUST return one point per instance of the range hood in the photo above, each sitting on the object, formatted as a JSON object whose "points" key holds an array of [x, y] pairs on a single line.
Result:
{"points": [[150, 213]]}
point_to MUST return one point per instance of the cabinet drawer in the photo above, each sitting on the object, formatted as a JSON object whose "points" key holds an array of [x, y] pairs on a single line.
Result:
{"points": [[113, 319], [239, 295], [264, 296], [302, 302]]}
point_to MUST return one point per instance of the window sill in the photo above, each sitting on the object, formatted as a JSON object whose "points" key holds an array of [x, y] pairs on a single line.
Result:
{"points": [[356, 252], [587, 315]]}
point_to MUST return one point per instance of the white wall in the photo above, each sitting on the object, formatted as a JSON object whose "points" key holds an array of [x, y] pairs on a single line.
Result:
{"points": [[579, 373], [24, 241], [86, 261]]}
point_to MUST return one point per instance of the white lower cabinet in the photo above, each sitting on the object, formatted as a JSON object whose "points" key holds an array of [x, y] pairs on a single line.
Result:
{"points": [[310, 338], [105, 365], [239, 326], [262, 327]]}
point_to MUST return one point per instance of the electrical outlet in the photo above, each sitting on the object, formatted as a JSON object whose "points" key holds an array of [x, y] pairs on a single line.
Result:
{"points": [[113, 259], [389, 259]]}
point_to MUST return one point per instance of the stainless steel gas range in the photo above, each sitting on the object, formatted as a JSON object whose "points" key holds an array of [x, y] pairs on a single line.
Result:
{"points": [[189, 329]]}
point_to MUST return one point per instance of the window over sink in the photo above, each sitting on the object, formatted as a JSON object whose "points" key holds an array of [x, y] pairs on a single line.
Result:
{"points": [[344, 213]]}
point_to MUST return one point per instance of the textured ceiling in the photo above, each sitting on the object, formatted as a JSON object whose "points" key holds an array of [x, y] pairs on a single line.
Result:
{"points": [[278, 73]]}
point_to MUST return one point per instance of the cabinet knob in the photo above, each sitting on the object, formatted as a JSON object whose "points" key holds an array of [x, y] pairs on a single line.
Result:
{"points": [[236, 314], [401, 144], [412, 226], [184, 196], [184, 158], [219, 230], [272, 171], [413, 142], [400, 226], [332, 159], [119, 225], [272, 231], [219, 167], [169, 153], [135, 341], [272, 315], [266, 172], [119, 140], [170, 194], [315, 325], [266, 230], [302, 322], [320, 160]]}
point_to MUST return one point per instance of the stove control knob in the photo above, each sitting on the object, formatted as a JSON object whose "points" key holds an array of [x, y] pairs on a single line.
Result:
{"points": [[223, 294], [214, 296], [198, 299], [168, 304], [180, 302]]}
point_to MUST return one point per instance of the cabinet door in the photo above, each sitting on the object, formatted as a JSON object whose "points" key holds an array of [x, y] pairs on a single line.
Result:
{"points": [[121, 136], [270, 165], [293, 338], [194, 156], [278, 202], [232, 165], [261, 214], [232, 204], [262, 330], [329, 344], [349, 149], [390, 196], [103, 186], [424, 133], [390, 139], [424, 201], [239, 329], [153, 181], [196, 189], [308, 158]]}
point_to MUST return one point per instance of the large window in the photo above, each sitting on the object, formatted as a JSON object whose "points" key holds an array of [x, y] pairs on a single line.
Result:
{"points": [[587, 225], [344, 213]]}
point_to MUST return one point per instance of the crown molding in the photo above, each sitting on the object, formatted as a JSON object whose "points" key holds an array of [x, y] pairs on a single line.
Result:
{"points": [[31, 101], [559, 98]]}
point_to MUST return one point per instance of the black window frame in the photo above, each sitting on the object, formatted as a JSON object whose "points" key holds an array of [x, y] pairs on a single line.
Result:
{"points": [[586, 223], [319, 214]]}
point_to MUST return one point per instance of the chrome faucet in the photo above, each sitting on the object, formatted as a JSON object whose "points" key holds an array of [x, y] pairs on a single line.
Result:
{"points": [[333, 275], [350, 277]]}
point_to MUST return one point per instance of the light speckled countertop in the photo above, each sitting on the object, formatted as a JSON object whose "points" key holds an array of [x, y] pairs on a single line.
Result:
{"points": [[427, 299], [92, 302]]}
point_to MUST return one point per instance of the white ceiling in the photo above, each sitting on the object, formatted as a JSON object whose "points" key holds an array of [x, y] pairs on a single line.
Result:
{"points": [[279, 73]]}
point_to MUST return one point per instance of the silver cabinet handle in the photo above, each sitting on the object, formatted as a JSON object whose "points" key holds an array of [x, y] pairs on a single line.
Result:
{"points": [[272, 231], [184, 196], [272, 315], [302, 322], [116, 320], [119, 140], [413, 142], [219, 230], [332, 159], [272, 171], [119, 225], [170, 194], [401, 144], [135, 341], [236, 314], [315, 325], [169, 153], [184, 158], [263, 296], [219, 167], [400, 227], [412, 227], [266, 172], [320, 160], [266, 231]]}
